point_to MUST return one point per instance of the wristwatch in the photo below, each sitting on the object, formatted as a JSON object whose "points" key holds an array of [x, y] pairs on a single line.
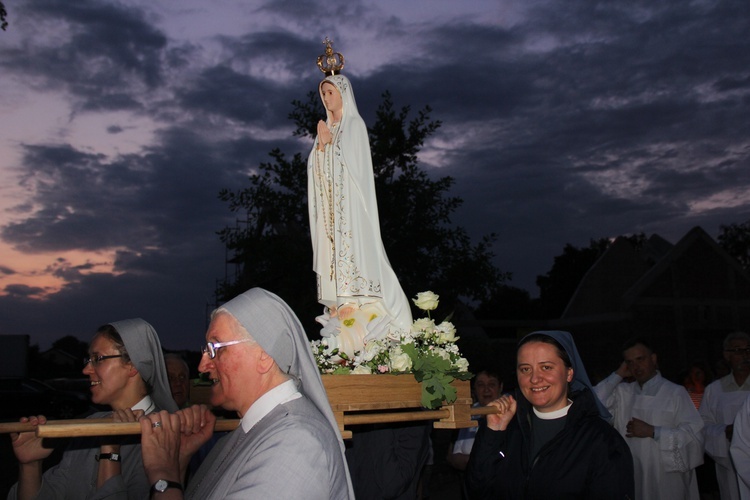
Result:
{"points": [[112, 457], [161, 486]]}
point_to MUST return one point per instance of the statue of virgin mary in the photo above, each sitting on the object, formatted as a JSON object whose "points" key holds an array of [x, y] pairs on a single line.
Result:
{"points": [[362, 296]]}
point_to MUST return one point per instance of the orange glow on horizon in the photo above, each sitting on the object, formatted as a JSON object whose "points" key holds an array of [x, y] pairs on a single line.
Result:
{"points": [[45, 274]]}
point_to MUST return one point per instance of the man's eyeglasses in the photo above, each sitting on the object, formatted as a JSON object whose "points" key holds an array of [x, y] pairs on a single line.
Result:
{"points": [[212, 347], [98, 359], [738, 350]]}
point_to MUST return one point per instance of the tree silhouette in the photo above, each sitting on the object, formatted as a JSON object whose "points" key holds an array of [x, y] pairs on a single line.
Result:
{"points": [[3, 16], [72, 345], [559, 284], [735, 239], [270, 244]]}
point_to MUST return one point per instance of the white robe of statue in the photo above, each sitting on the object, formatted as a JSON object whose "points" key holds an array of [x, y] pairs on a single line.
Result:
{"points": [[348, 255]]}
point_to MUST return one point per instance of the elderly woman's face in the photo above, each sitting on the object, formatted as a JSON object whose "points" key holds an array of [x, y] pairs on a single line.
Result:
{"points": [[543, 377], [233, 370], [331, 97]]}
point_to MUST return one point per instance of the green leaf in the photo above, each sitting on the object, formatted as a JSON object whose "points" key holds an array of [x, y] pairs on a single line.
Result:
{"points": [[436, 388]]}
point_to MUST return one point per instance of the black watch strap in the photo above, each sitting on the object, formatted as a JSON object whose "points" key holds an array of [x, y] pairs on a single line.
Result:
{"points": [[112, 457], [162, 485]]}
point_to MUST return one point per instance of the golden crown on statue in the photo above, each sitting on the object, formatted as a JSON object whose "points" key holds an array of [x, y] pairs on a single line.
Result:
{"points": [[331, 62]]}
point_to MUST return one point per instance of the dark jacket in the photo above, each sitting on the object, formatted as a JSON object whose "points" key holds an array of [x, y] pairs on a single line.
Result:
{"points": [[588, 459], [385, 462]]}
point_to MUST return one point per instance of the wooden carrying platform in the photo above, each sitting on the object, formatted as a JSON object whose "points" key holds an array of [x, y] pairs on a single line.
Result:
{"points": [[355, 399], [372, 399], [369, 399]]}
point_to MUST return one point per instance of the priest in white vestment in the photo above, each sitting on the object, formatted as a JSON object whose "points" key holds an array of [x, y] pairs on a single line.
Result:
{"points": [[660, 424], [740, 449], [721, 402]]}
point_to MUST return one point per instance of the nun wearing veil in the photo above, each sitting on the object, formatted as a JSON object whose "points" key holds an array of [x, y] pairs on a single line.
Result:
{"points": [[552, 439], [126, 371], [287, 445], [349, 259]]}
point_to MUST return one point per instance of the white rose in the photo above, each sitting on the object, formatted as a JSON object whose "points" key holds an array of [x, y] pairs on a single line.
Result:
{"points": [[446, 332], [442, 353], [423, 324], [426, 301], [462, 365], [400, 361], [362, 370], [371, 350]]}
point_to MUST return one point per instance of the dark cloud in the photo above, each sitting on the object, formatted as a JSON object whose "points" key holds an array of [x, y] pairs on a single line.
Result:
{"points": [[563, 125], [110, 57], [23, 291]]}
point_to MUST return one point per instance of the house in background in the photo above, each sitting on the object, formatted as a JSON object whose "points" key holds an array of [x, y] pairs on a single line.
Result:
{"points": [[683, 298]]}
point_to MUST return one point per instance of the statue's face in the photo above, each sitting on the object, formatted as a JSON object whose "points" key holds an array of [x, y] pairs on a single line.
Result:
{"points": [[332, 98]]}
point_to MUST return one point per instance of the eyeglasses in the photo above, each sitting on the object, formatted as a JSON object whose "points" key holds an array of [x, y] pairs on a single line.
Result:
{"points": [[212, 347], [98, 359], [738, 350]]}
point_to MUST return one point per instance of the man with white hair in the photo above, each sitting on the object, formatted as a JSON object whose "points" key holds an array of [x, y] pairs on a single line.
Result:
{"points": [[721, 401], [287, 445]]}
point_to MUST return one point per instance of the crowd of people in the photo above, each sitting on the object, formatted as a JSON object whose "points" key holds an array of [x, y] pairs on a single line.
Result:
{"points": [[540, 446], [633, 435]]}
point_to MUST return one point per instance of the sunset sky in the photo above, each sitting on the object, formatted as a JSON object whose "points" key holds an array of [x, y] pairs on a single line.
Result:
{"points": [[562, 121]]}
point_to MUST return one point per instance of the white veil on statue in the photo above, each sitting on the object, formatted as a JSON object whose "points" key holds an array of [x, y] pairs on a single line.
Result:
{"points": [[348, 254]]}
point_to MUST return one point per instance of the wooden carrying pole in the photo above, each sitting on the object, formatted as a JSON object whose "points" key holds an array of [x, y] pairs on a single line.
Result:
{"points": [[106, 427], [93, 427], [355, 400]]}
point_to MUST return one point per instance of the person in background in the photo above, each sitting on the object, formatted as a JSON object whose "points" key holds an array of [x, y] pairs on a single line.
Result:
{"points": [[697, 377], [552, 439], [126, 372], [386, 461], [487, 386], [721, 401], [178, 372], [740, 449], [287, 445], [660, 423]]}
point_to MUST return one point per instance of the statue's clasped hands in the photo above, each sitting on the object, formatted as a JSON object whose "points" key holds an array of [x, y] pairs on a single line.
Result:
{"points": [[324, 135]]}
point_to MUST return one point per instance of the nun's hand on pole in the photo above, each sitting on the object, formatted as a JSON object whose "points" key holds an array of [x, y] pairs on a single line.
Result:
{"points": [[26, 445], [111, 444], [160, 446], [506, 405], [197, 423]]}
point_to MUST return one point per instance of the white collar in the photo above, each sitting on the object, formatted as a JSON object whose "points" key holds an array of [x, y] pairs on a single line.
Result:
{"points": [[282, 393], [146, 404], [552, 415]]}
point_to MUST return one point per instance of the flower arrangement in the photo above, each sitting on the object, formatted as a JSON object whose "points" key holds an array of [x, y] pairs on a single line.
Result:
{"points": [[428, 351]]}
